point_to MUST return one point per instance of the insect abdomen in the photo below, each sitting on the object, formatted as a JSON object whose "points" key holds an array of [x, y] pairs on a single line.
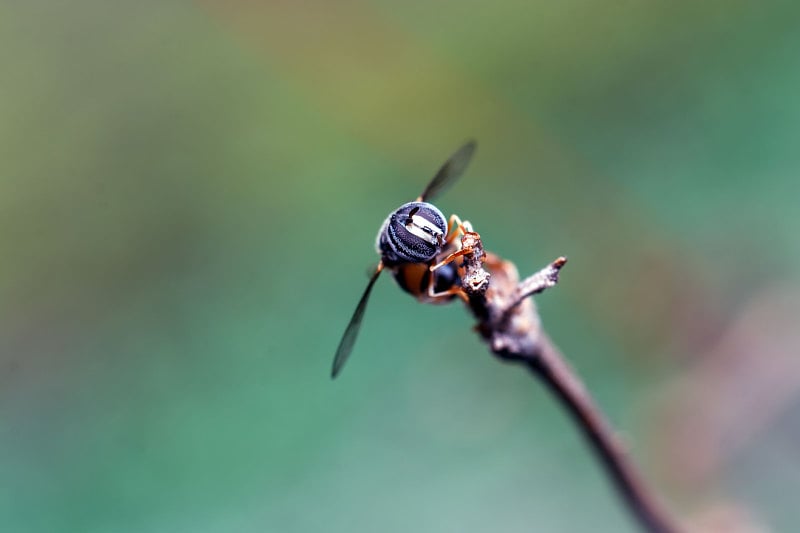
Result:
{"points": [[414, 278]]}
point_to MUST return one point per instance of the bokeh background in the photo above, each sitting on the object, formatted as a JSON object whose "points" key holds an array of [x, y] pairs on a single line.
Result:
{"points": [[189, 193]]}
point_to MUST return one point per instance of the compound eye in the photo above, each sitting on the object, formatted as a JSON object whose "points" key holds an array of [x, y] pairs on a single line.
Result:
{"points": [[414, 234]]}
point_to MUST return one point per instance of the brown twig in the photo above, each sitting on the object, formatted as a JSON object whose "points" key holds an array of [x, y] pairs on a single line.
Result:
{"points": [[508, 321]]}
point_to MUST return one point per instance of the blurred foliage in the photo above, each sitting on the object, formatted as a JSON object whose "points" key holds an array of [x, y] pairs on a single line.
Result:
{"points": [[188, 199]]}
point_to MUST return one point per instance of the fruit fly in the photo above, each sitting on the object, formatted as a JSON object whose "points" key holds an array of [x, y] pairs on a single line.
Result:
{"points": [[417, 244]]}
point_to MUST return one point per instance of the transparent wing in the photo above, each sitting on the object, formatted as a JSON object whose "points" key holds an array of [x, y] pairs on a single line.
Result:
{"points": [[350, 334], [450, 171]]}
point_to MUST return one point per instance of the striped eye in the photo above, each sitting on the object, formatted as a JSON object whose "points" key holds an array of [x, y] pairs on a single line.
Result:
{"points": [[414, 233]]}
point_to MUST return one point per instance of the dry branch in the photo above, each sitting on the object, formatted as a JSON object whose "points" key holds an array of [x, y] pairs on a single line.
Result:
{"points": [[509, 323]]}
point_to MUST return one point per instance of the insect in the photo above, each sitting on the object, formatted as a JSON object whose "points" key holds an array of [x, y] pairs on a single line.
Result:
{"points": [[418, 246]]}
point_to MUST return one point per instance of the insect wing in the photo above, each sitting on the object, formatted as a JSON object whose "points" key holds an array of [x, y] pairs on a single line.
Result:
{"points": [[350, 334], [450, 171]]}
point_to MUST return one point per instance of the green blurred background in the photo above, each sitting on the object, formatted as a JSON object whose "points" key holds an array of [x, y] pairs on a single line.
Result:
{"points": [[189, 193]]}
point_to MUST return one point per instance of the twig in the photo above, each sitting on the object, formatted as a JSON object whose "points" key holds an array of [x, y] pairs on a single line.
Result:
{"points": [[508, 321]]}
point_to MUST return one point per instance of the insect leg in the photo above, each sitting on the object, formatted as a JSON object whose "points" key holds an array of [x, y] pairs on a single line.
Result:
{"points": [[456, 228], [452, 291], [450, 258]]}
